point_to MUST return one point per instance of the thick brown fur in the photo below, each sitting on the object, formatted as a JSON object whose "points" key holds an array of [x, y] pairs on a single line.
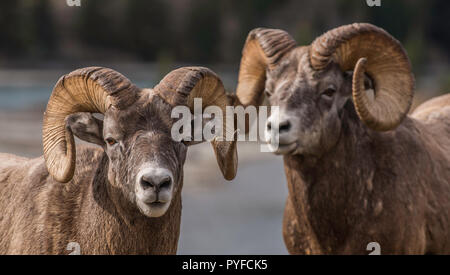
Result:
{"points": [[41, 216], [392, 188]]}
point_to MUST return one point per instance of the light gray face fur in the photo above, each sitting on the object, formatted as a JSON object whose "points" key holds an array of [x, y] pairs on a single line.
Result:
{"points": [[310, 104], [145, 164]]}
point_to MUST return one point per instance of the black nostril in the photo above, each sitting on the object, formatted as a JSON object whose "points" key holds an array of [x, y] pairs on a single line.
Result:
{"points": [[146, 183], [165, 183], [285, 126], [157, 183]]}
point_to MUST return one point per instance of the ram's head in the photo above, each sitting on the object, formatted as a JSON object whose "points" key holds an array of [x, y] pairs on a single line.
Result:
{"points": [[144, 164], [313, 85]]}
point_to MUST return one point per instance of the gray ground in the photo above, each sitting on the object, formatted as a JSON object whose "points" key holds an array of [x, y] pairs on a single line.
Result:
{"points": [[239, 217]]}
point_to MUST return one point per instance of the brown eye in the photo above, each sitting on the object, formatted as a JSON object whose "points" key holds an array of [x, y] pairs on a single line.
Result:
{"points": [[329, 92], [111, 141], [267, 93]]}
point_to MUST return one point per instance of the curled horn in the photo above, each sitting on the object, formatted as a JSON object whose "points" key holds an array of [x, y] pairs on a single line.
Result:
{"points": [[181, 86], [367, 49], [263, 49], [92, 89]]}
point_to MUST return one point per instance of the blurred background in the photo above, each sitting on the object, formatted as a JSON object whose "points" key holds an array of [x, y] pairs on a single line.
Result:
{"points": [[40, 40]]}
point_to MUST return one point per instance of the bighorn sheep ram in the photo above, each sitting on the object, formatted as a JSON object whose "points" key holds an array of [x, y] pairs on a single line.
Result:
{"points": [[359, 169], [123, 198]]}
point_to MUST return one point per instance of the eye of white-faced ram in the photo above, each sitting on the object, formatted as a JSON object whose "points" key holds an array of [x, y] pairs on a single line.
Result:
{"points": [[110, 141]]}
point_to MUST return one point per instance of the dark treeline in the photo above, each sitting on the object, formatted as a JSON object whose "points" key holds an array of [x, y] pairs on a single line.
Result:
{"points": [[201, 31]]}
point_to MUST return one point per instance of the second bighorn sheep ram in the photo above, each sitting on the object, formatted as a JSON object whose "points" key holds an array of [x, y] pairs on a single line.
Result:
{"points": [[123, 198], [359, 169]]}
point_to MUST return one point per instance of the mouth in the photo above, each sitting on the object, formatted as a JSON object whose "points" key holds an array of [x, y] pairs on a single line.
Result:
{"points": [[153, 209], [284, 149], [156, 203]]}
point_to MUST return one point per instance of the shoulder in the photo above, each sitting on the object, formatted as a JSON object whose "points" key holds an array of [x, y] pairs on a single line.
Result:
{"points": [[8, 160], [434, 110]]}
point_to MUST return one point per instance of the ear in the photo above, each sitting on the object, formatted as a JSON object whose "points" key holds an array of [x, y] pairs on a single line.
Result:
{"points": [[347, 88], [368, 81], [345, 92], [86, 127], [226, 156]]}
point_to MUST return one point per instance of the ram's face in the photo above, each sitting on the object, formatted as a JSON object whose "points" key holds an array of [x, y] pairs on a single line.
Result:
{"points": [[309, 105], [145, 162], [312, 84]]}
